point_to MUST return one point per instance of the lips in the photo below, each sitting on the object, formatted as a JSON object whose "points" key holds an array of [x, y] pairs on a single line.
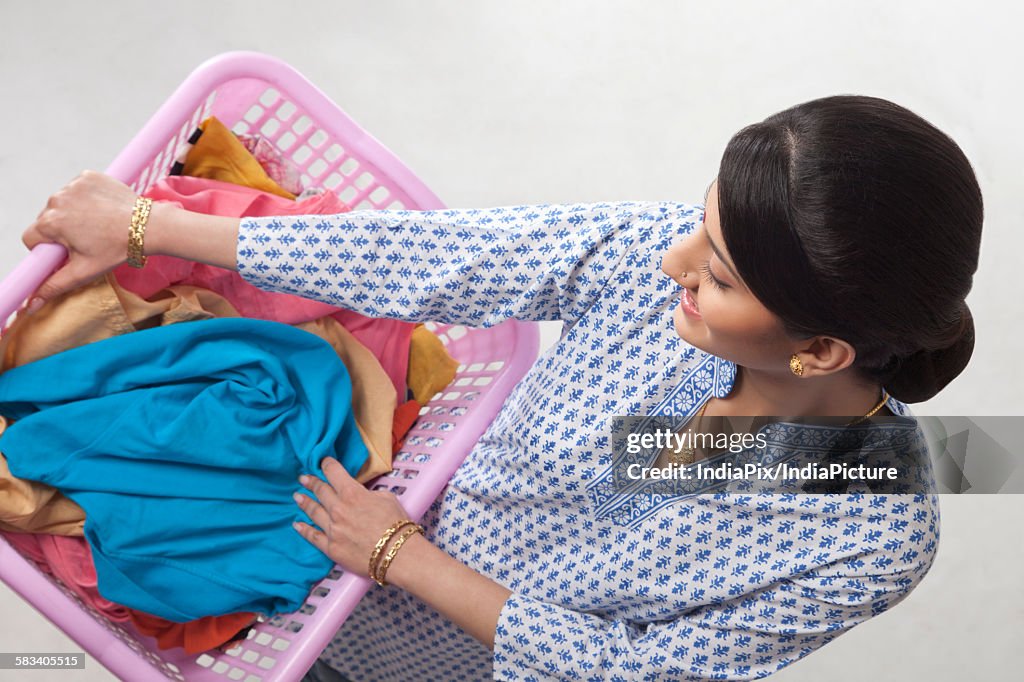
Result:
{"points": [[688, 305]]}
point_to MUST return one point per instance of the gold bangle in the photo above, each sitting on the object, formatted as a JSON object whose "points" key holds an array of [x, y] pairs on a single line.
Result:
{"points": [[382, 569], [137, 231], [383, 541]]}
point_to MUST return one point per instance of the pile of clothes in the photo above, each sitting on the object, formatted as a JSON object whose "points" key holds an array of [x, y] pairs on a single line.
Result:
{"points": [[154, 422]]}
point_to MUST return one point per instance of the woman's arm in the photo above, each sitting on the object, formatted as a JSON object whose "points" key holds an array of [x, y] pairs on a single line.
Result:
{"points": [[90, 218], [198, 237], [769, 623], [349, 519], [471, 266], [470, 600], [477, 267]]}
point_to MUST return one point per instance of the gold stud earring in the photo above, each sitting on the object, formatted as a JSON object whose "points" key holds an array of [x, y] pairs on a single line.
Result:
{"points": [[795, 366]]}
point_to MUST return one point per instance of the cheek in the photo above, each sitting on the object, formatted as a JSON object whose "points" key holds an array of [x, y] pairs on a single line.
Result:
{"points": [[722, 312], [740, 321]]}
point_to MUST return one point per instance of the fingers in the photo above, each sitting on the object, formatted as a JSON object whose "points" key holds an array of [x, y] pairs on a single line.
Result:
{"points": [[46, 220], [65, 279], [325, 494], [315, 511], [340, 479], [33, 234], [80, 212], [30, 237], [315, 537]]}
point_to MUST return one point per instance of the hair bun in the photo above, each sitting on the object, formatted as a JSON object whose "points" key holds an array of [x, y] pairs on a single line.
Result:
{"points": [[921, 375]]}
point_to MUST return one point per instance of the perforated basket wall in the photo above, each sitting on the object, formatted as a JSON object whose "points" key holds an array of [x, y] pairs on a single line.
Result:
{"points": [[322, 160]]}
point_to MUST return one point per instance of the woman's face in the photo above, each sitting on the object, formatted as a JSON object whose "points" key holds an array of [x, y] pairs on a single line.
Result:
{"points": [[717, 313]]}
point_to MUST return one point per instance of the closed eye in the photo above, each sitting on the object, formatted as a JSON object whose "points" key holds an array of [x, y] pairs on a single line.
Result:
{"points": [[709, 276]]}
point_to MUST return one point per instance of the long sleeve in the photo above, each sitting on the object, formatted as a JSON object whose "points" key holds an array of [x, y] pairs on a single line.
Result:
{"points": [[468, 266], [747, 638]]}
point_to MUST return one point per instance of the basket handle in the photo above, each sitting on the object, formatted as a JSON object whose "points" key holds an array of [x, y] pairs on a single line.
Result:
{"points": [[18, 285]]}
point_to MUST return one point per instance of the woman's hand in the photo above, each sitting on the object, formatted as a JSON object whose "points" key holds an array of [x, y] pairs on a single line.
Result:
{"points": [[90, 218], [349, 517], [353, 518]]}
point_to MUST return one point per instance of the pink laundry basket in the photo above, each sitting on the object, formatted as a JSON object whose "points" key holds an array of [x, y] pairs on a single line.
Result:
{"points": [[255, 93]]}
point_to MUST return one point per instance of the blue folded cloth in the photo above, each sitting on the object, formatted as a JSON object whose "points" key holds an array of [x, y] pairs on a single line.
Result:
{"points": [[183, 444]]}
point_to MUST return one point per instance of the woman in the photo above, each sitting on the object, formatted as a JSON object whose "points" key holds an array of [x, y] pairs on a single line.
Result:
{"points": [[826, 276]]}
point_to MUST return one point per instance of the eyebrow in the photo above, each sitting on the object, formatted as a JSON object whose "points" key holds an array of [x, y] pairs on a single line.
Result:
{"points": [[714, 247]]}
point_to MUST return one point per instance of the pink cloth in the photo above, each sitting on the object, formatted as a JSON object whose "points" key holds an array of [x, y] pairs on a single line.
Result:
{"points": [[275, 165], [387, 339], [68, 558]]}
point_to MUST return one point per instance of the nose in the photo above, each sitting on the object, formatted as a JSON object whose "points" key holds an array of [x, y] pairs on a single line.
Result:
{"points": [[683, 258], [671, 266]]}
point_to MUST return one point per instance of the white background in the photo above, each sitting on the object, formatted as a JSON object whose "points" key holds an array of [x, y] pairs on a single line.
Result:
{"points": [[532, 101]]}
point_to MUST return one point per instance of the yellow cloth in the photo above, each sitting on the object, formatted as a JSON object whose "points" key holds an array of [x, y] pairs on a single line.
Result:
{"points": [[431, 368], [101, 309], [218, 155]]}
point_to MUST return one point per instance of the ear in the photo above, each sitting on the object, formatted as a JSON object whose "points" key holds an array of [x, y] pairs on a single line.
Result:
{"points": [[824, 355]]}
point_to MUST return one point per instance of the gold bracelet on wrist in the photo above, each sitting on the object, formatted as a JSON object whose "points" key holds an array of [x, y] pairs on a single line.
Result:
{"points": [[382, 569], [395, 527], [137, 232]]}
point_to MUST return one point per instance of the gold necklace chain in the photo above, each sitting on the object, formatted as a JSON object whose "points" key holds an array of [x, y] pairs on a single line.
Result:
{"points": [[687, 454], [874, 410]]}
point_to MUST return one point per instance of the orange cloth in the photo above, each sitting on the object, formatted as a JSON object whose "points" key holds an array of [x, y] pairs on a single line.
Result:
{"points": [[431, 368], [219, 155], [405, 417], [195, 636]]}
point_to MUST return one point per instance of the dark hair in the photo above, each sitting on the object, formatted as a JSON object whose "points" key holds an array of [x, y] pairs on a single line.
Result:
{"points": [[853, 217]]}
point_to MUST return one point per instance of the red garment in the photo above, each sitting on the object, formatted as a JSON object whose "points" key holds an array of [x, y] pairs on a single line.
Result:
{"points": [[194, 636], [405, 417], [69, 559], [387, 339]]}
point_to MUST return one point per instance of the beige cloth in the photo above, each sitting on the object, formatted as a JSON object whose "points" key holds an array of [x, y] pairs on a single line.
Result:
{"points": [[27, 506], [99, 310], [373, 394], [102, 309]]}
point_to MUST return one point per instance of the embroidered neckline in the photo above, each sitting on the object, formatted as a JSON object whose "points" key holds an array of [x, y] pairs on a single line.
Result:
{"points": [[710, 376]]}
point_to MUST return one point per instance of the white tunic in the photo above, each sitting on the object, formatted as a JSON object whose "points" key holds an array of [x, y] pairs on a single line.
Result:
{"points": [[711, 586]]}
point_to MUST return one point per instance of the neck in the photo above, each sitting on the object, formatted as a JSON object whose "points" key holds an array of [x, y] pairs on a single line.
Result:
{"points": [[759, 392]]}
